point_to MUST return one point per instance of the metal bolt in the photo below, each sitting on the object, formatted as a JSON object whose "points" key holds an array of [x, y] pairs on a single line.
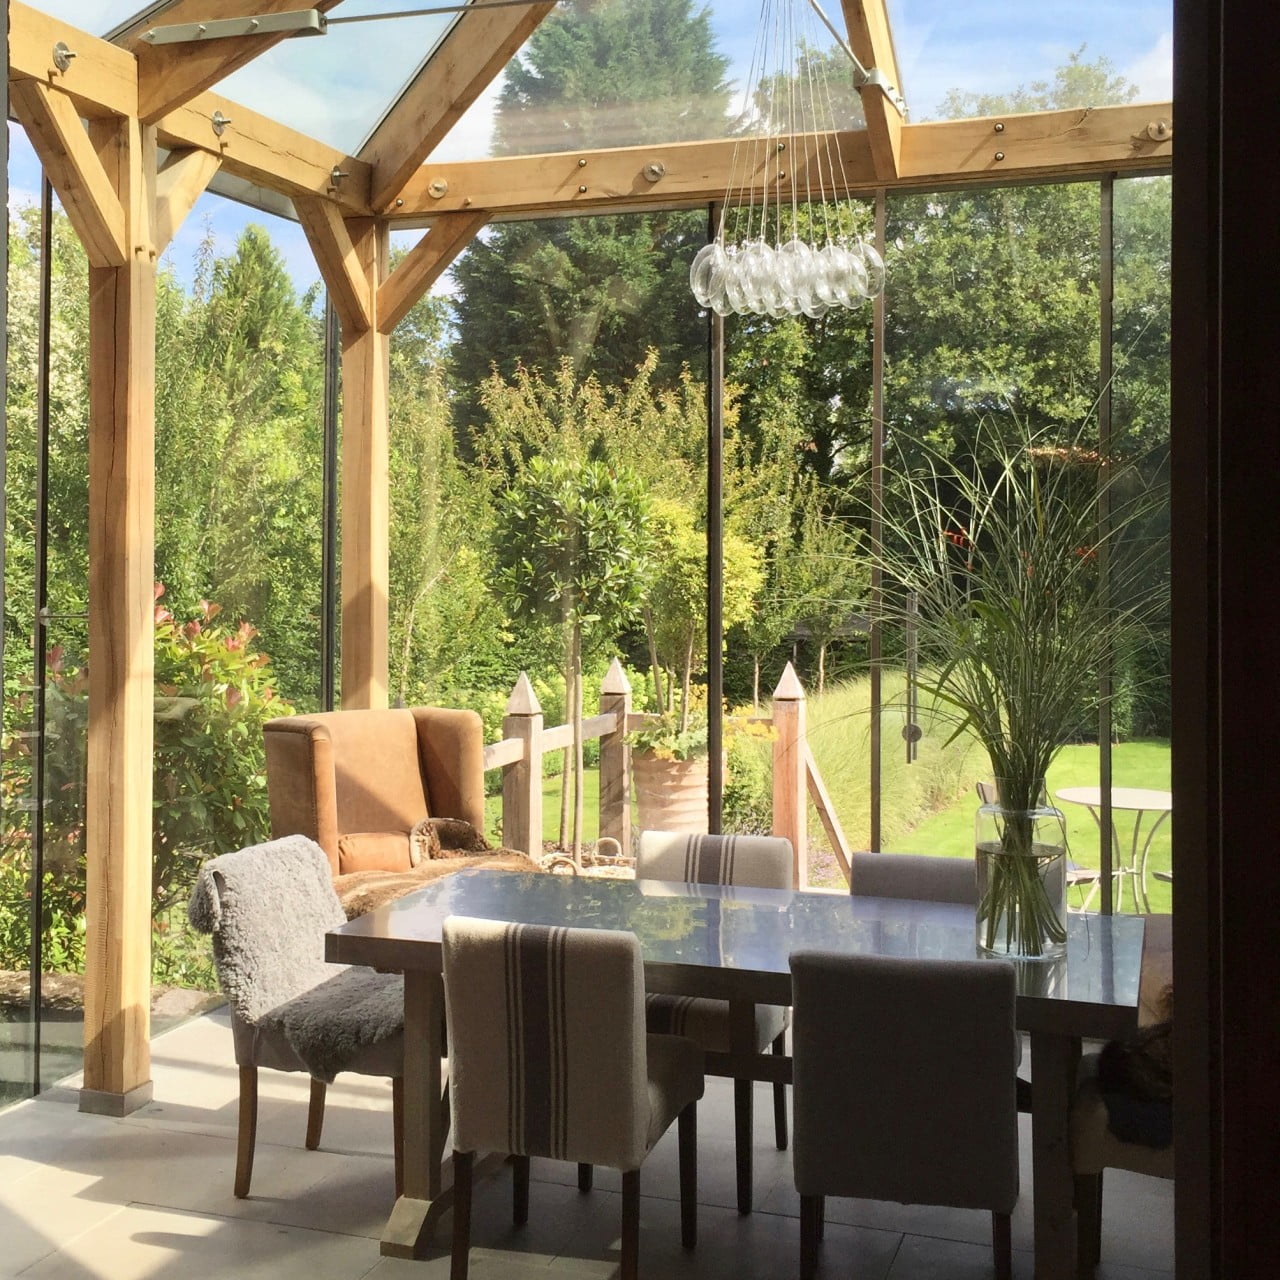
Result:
{"points": [[582, 164], [399, 203], [438, 189], [582, 191], [782, 146], [999, 128], [782, 175], [336, 175], [1159, 131], [62, 56], [201, 29], [654, 170], [999, 155], [254, 24], [466, 200], [219, 122]]}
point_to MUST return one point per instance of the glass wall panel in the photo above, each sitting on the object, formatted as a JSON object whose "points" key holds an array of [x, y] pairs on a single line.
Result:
{"points": [[548, 481], [239, 530], [992, 340], [1140, 418]]}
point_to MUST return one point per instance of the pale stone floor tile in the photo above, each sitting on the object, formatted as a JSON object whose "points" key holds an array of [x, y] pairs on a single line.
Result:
{"points": [[151, 1196], [161, 1244]]}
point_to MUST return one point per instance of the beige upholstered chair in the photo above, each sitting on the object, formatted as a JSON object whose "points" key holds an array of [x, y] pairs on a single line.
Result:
{"points": [[756, 862], [1094, 1148], [916, 876], [549, 1057], [268, 908], [903, 1087]]}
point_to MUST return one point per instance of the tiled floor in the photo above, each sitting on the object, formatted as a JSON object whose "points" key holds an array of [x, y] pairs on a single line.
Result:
{"points": [[150, 1197]]}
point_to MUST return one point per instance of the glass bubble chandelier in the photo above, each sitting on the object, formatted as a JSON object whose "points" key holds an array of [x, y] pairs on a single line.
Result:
{"points": [[784, 244]]}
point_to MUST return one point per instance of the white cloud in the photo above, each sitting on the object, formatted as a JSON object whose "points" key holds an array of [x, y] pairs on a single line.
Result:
{"points": [[1153, 71], [472, 136]]}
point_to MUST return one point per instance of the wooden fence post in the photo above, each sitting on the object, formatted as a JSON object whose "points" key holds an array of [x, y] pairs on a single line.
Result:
{"points": [[615, 760], [790, 799], [522, 781]]}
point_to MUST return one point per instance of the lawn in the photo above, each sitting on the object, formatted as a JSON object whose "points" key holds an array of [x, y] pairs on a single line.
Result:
{"points": [[1134, 764]]}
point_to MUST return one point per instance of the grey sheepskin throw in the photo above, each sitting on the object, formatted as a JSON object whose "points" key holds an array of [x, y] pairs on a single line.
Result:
{"points": [[268, 908]]}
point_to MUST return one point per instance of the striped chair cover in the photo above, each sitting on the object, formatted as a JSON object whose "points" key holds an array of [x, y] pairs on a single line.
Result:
{"points": [[754, 862], [547, 1045]]}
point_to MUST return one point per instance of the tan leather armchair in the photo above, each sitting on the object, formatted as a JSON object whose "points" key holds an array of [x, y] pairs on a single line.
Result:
{"points": [[358, 782]]}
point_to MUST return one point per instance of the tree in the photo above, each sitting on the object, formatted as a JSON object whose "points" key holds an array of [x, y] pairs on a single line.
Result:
{"points": [[595, 291], [569, 545]]}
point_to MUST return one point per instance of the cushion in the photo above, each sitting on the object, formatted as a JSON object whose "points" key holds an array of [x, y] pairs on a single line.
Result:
{"points": [[373, 851], [364, 891], [707, 1021]]}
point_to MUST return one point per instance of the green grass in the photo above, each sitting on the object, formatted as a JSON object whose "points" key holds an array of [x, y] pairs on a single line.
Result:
{"points": [[1134, 764], [551, 809]]}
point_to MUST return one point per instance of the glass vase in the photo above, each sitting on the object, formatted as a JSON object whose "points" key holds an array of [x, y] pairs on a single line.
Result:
{"points": [[1021, 848]]}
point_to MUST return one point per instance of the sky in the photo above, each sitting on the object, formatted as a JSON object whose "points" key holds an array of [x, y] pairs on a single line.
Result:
{"points": [[990, 46]]}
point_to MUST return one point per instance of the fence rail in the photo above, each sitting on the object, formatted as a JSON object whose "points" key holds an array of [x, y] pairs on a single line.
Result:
{"points": [[519, 754]]}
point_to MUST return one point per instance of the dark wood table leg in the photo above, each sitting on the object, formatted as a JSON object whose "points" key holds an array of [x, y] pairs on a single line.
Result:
{"points": [[742, 1050], [1054, 1059]]}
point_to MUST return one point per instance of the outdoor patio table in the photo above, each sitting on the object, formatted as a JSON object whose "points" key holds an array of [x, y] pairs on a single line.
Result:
{"points": [[1138, 800], [734, 944]]}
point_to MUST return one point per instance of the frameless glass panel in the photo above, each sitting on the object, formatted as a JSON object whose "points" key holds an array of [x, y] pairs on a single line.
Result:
{"points": [[95, 16], [628, 72], [239, 476], [548, 437], [1140, 418], [1003, 56], [991, 340]]}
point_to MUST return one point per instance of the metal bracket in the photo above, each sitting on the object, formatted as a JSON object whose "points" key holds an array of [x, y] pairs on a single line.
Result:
{"points": [[877, 78], [62, 56], [296, 22]]}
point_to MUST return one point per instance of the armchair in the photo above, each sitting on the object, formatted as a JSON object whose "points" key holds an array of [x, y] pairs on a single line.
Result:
{"points": [[359, 782]]}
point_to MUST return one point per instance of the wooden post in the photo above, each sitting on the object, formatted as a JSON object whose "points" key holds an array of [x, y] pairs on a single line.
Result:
{"points": [[366, 372], [117, 1024], [522, 781], [615, 760], [790, 797]]}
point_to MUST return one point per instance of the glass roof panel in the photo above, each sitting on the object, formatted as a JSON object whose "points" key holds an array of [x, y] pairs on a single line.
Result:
{"points": [[619, 73], [984, 57], [95, 16], [338, 86]]}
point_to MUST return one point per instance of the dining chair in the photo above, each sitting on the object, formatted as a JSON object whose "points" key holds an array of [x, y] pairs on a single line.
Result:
{"points": [[268, 908], [1094, 1148], [549, 1057], [756, 862], [1078, 877], [904, 1087], [916, 876]]}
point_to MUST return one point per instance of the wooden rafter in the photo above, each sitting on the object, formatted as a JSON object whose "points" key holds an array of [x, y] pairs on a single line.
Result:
{"points": [[101, 80], [339, 263], [75, 169], [424, 264], [468, 59], [871, 40], [1050, 144], [171, 74], [181, 181]]}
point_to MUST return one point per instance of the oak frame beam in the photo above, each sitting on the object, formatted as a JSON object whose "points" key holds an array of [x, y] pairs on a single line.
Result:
{"points": [[475, 51], [171, 74], [366, 375], [871, 39], [344, 275], [424, 264], [122, 324], [53, 126], [180, 182], [1050, 145]]}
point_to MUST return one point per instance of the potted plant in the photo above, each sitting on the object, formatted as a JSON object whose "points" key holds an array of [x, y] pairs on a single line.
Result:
{"points": [[1022, 594], [669, 768]]}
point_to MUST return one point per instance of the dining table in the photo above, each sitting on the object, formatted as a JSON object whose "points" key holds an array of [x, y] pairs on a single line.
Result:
{"points": [[734, 944]]}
